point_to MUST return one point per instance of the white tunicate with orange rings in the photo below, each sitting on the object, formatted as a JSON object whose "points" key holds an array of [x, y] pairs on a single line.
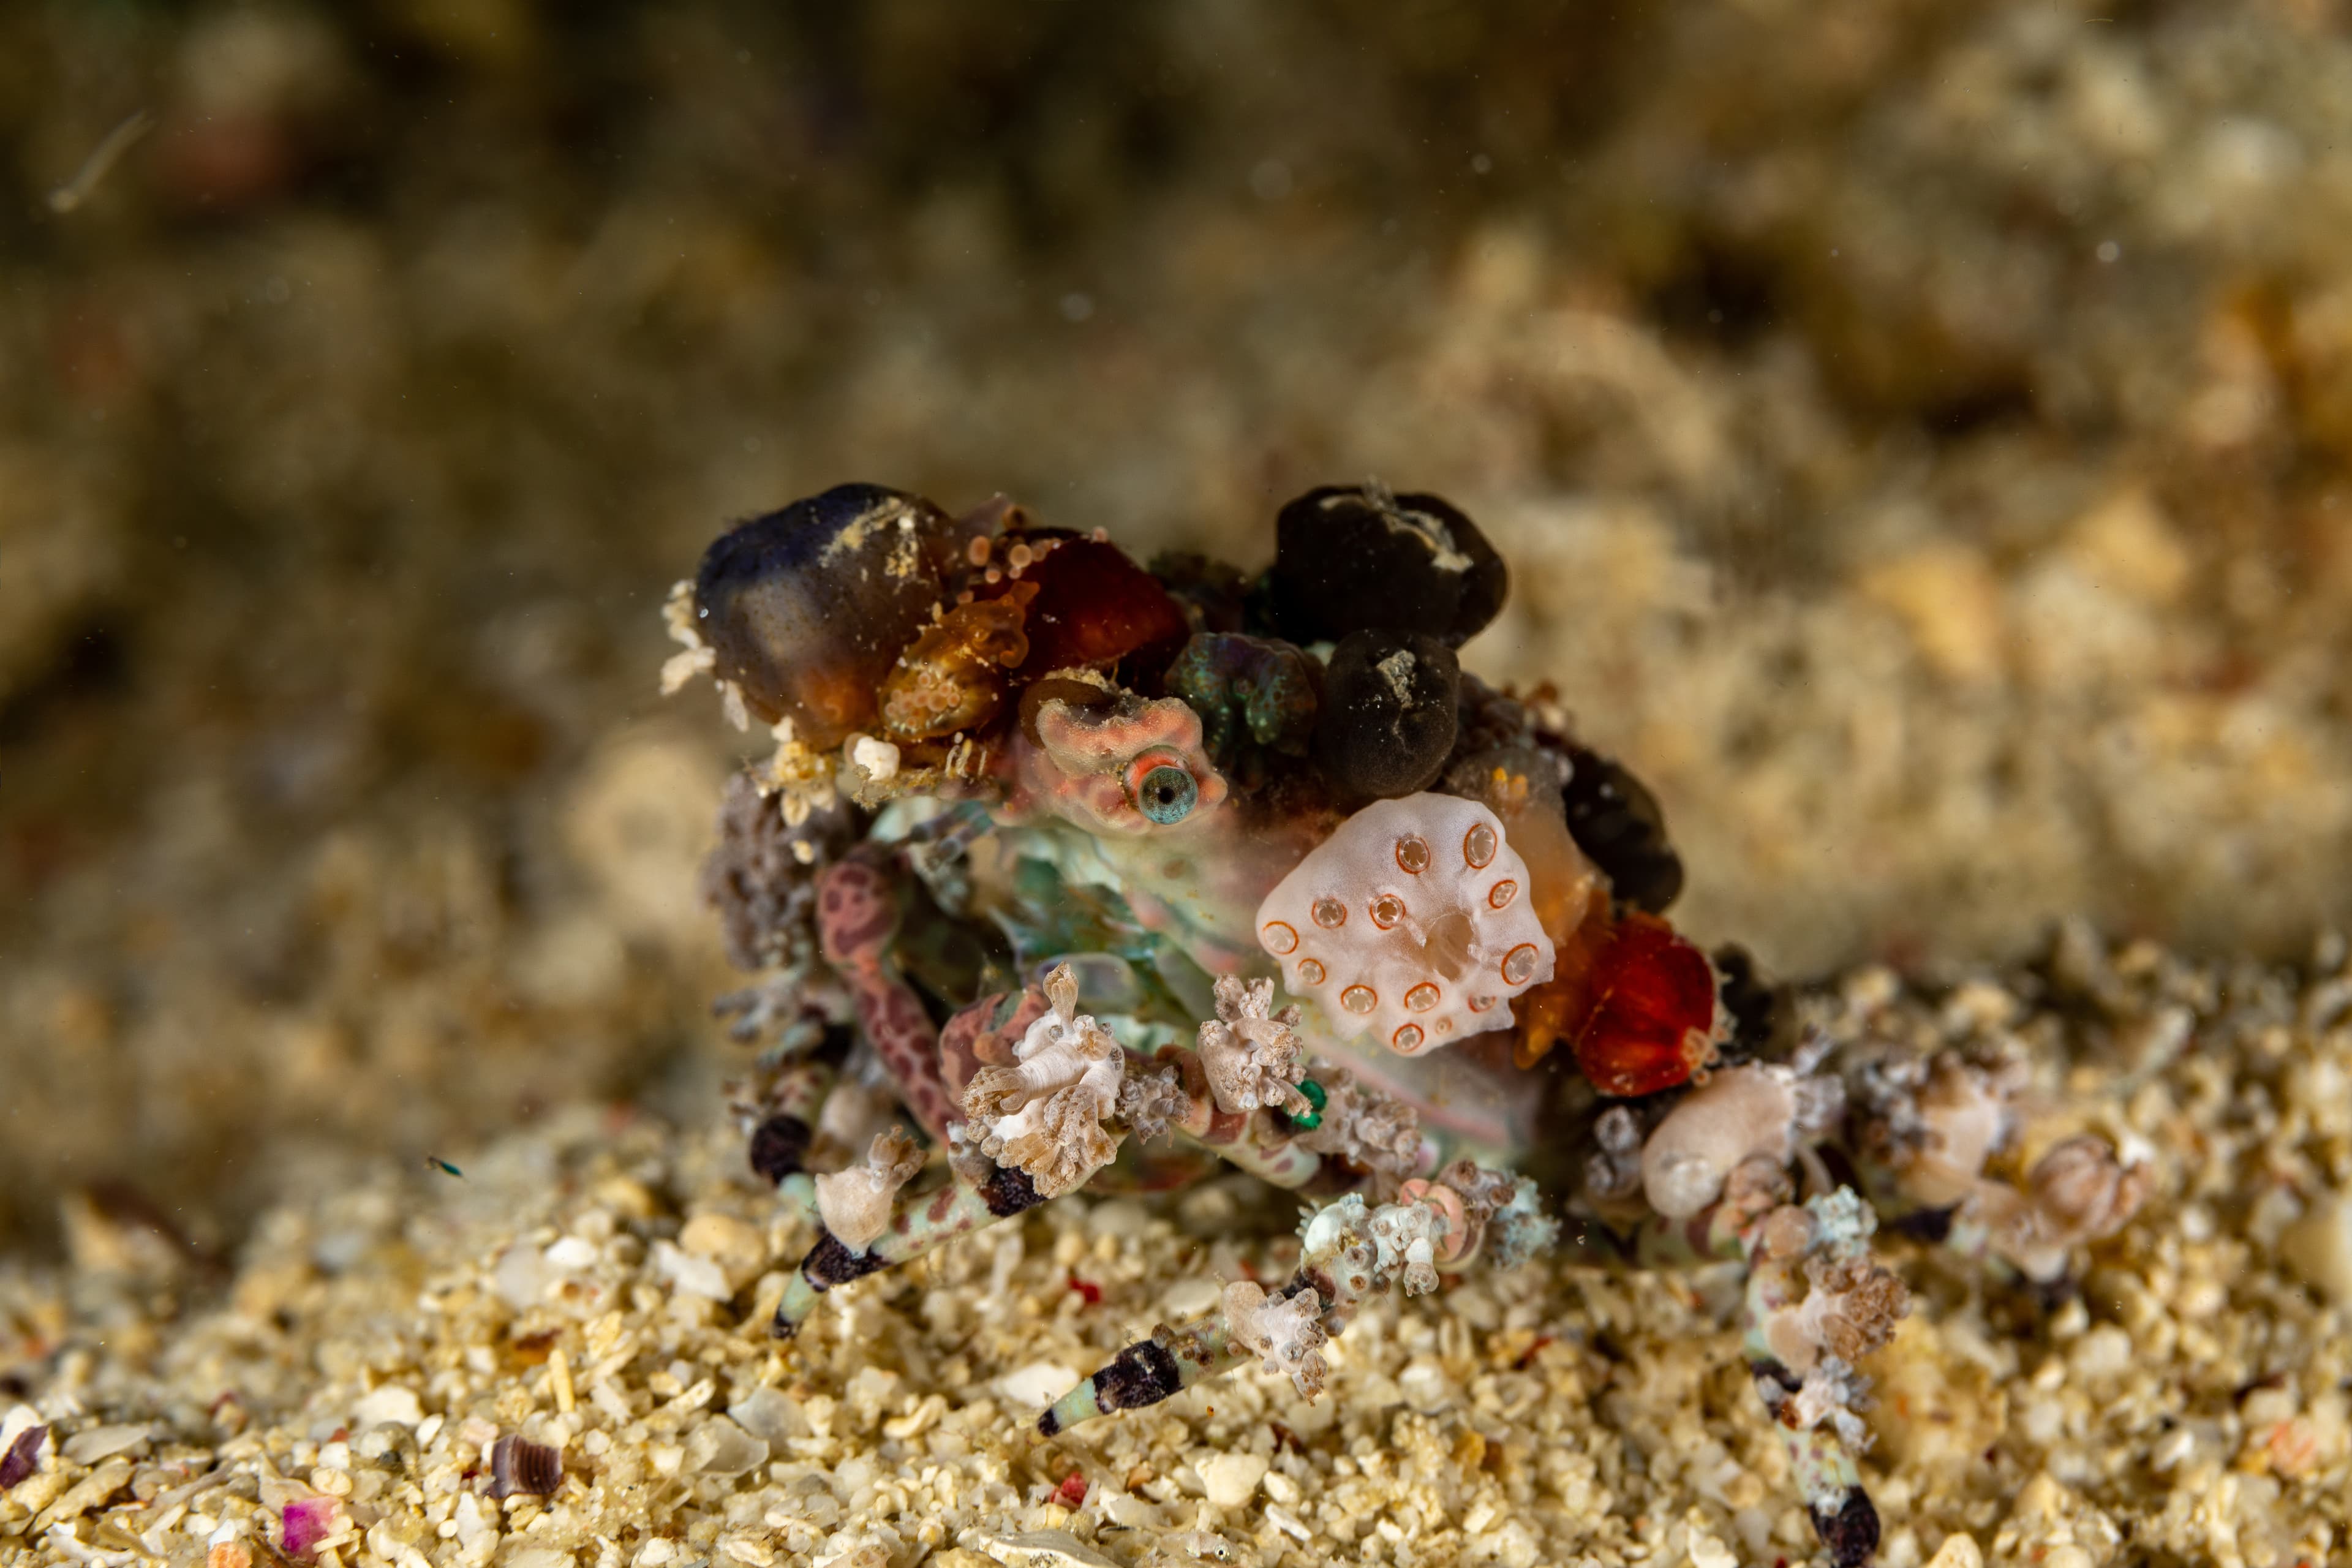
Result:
{"points": [[1413, 921]]}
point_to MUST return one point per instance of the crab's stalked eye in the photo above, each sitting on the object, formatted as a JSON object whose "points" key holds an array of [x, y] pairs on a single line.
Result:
{"points": [[1166, 794]]}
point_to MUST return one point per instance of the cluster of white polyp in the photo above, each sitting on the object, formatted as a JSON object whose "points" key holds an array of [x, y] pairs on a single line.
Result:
{"points": [[1043, 1114]]}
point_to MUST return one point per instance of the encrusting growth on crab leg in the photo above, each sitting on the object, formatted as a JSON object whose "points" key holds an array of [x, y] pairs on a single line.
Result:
{"points": [[1251, 1053], [962, 1205], [1351, 1252], [1814, 1305], [1041, 1114], [1928, 1128], [855, 1203], [1046, 1115], [1044, 1110]]}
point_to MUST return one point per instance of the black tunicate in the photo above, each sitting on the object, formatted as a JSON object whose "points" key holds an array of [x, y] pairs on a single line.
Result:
{"points": [[808, 606], [1351, 558], [1388, 716], [1758, 1008], [1616, 822]]}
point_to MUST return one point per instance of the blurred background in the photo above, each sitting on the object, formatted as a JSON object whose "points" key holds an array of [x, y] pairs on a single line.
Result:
{"points": [[1919, 429]]}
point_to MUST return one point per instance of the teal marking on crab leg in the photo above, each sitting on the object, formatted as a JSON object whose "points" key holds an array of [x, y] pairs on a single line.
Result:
{"points": [[917, 1225], [1246, 1140], [797, 1194]]}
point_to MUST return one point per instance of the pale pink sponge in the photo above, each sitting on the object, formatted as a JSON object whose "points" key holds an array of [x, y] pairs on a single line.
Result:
{"points": [[1414, 921]]}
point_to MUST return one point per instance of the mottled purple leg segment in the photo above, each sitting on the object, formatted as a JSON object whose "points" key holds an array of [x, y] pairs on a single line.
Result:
{"points": [[858, 913]]}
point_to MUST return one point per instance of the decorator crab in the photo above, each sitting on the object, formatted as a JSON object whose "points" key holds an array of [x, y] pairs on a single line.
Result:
{"points": [[1100, 873]]}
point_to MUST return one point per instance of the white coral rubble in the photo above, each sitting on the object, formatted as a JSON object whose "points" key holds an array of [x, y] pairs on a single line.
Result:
{"points": [[1044, 1113]]}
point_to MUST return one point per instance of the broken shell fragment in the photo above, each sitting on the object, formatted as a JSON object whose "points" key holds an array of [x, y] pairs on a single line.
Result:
{"points": [[519, 1465]]}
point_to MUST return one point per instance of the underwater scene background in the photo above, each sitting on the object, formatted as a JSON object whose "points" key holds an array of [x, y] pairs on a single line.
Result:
{"points": [[1918, 433]]}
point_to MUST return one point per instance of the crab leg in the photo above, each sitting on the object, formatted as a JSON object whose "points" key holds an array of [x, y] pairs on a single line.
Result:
{"points": [[796, 1097], [1827, 1481], [1831, 1487], [1150, 1371], [1807, 1272], [959, 1208], [1736, 1229], [1174, 1359], [1352, 1254], [1240, 1139], [916, 1227], [1282, 1162], [857, 914]]}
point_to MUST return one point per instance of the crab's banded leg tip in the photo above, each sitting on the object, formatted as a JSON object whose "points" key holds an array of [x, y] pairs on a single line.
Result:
{"points": [[831, 1262], [1850, 1530], [1143, 1374], [780, 1147], [1009, 1192]]}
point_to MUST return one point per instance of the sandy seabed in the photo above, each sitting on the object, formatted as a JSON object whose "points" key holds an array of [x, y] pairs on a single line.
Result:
{"points": [[601, 1285]]}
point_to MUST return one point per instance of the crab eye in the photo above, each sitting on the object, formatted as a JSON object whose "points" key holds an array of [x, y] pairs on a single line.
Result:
{"points": [[1166, 795]]}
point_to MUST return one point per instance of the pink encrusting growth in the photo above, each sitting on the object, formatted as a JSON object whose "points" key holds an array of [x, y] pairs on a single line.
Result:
{"points": [[1413, 922], [1090, 760]]}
